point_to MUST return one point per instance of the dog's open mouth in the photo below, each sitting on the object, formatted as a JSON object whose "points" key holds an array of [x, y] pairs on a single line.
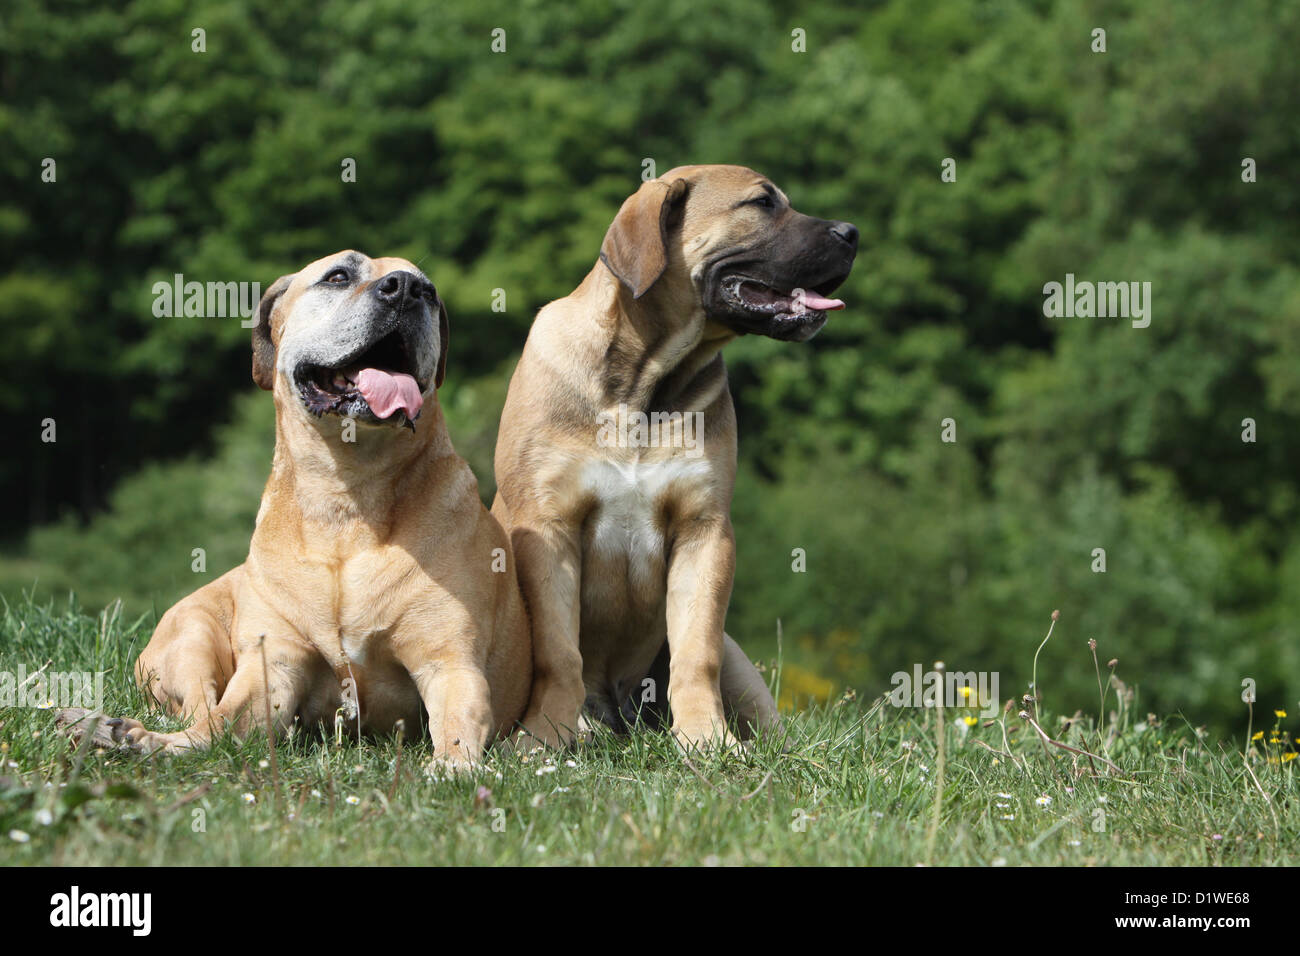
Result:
{"points": [[379, 385], [753, 296]]}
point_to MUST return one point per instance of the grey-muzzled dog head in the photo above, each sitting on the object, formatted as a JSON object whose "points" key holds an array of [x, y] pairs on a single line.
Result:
{"points": [[352, 336]]}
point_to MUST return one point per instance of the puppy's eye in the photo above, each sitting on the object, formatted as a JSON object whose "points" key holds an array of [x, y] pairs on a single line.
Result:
{"points": [[764, 202], [337, 277]]}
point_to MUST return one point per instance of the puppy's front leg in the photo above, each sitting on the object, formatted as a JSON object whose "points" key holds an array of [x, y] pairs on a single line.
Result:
{"points": [[549, 565], [699, 587]]}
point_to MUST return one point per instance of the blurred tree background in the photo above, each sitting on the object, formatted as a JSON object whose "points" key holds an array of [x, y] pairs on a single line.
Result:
{"points": [[502, 170]]}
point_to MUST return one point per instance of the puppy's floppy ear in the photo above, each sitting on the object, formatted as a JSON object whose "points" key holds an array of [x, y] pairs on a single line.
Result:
{"points": [[636, 246], [444, 334], [263, 347]]}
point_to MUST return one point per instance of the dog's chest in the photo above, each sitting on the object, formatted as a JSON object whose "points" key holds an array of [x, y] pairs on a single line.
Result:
{"points": [[364, 610]]}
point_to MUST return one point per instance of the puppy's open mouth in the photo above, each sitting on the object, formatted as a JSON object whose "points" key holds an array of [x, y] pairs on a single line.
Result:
{"points": [[379, 385], [752, 296]]}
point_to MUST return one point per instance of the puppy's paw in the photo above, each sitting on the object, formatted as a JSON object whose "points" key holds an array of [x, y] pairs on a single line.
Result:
{"points": [[523, 744], [536, 737]]}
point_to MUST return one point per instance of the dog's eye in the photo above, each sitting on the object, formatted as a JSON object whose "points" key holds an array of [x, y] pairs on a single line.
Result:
{"points": [[337, 277], [763, 202]]}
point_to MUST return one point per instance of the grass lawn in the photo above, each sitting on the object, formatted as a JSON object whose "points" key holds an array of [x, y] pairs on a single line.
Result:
{"points": [[856, 784]]}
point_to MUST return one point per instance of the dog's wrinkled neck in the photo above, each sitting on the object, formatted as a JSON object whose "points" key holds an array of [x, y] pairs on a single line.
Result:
{"points": [[334, 481]]}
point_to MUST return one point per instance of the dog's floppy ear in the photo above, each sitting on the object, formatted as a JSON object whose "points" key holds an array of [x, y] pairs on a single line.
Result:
{"points": [[444, 332], [263, 347], [636, 246]]}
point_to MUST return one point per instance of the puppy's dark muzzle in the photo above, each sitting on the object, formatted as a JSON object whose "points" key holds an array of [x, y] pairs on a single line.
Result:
{"points": [[847, 233], [757, 290]]}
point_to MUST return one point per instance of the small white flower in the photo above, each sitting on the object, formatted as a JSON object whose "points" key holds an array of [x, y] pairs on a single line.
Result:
{"points": [[1008, 816], [1074, 843], [249, 798], [570, 763], [19, 836], [44, 817], [1043, 801], [263, 764], [353, 800], [1102, 799], [315, 793], [549, 768], [1004, 796], [999, 861]]}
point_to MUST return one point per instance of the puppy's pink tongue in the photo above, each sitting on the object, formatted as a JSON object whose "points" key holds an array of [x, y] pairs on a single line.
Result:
{"points": [[820, 304], [386, 392]]}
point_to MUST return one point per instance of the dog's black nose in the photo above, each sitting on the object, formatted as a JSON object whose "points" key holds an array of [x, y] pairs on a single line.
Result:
{"points": [[396, 286], [846, 231]]}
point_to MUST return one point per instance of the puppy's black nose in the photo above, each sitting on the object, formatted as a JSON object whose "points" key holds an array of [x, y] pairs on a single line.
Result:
{"points": [[846, 231], [393, 288]]}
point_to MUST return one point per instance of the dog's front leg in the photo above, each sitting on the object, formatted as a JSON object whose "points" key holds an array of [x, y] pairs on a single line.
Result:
{"points": [[699, 588], [458, 700]]}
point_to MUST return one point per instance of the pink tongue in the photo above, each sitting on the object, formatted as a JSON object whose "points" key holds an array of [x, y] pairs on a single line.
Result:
{"points": [[386, 392], [813, 301]]}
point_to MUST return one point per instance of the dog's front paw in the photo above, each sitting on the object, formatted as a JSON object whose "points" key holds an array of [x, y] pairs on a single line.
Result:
{"points": [[450, 766], [705, 738]]}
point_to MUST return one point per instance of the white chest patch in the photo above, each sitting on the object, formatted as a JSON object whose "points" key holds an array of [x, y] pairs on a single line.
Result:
{"points": [[626, 520]]}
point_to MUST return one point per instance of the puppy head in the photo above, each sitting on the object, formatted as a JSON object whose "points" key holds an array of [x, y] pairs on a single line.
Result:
{"points": [[352, 336], [751, 261]]}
